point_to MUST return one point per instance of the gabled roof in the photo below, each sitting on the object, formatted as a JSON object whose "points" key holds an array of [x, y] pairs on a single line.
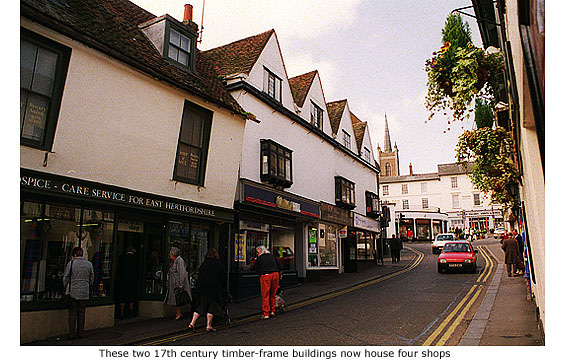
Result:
{"points": [[454, 169], [358, 129], [335, 112], [111, 26], [239, 56], [300, 85]]}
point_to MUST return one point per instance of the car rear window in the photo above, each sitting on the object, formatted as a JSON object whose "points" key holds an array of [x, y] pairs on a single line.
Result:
{"points": [[445, 237], [461, 247]]}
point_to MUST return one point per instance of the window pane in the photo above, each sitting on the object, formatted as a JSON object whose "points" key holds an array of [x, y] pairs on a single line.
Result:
{"points": [[271, 85], [273, 163], [281, 167], [278, 85], [187, 126], [97, 230], [197, 130], [175, 38], [194, 163], [28, 53], [185, 43], [265, 164], [173, 53], [183, 58], [44, 76], [182, 161], [35, 117], [287, 170]]}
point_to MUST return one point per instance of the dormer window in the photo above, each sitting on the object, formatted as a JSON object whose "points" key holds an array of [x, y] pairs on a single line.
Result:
{"points": [[175, 41], [316, 115], [272, 85], [179, 47]]}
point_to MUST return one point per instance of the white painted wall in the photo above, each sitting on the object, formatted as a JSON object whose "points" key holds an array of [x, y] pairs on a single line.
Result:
{"points": [[316, 95], [120, 127]]}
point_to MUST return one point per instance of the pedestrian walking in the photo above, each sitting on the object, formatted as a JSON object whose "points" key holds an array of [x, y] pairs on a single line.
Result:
{"points": [[177, 279], [126, 282], [511, 254], [395, 245], [208, 291], [77, 280], [520, 266], [270, 271], [410, 234]]}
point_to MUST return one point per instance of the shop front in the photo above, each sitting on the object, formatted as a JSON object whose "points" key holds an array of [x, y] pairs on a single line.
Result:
{"points": [[278, 220], [366, 232], [421, 225], [324, 246], [59, 213]]}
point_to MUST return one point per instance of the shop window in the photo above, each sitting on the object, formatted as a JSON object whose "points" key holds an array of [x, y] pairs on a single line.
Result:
{"points": [[190, 165], [43, 69], [276, 164], [48, 233], [316, 115], [364, 246], [344, 193], [423, 228], [283, 247], [272, 85]]}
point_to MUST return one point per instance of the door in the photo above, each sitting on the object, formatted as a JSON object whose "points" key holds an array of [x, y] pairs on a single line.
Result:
{"points": [[129, 247]]}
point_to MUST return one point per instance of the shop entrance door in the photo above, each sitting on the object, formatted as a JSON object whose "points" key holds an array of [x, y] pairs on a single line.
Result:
{"points": [[349, 246], [127, 278]]}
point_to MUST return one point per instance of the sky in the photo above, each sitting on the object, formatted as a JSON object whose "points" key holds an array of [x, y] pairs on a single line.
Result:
{"points": [[371, 53]]}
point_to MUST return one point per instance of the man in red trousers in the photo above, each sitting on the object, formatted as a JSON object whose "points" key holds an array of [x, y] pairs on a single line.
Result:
{"points": [[270, 270]]}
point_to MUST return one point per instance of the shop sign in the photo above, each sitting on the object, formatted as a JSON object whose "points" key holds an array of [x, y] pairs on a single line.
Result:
{"points": [[342, 233], [239, 251], [254, 226], [260, 196], [335, 214], [365, 223], [115, 195]]}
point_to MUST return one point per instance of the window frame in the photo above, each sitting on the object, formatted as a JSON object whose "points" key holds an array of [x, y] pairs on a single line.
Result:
{"points": [[388, 169], [167, 43], [405, 204], [453, 203], [386, 190], [268, 74], [316, 115], [346, 139], [340, 183], [372, 204], [61, 69], [404, 189], [206, 129], [454, 184], [476, 196], [424, 188], [266, 153], [425, 203]]}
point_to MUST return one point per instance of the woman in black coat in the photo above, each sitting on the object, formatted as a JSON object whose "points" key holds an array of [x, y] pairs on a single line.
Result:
{"points": [[211, 280]]}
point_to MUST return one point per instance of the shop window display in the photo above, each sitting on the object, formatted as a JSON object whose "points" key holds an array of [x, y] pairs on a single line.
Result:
{"points": [[365, 246], [252, 240], [96, 242], [192, 241], [322, 246], [283, 247]]}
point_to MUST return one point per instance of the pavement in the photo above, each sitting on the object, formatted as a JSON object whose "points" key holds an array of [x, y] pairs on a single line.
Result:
{"points": [[506, 315]]}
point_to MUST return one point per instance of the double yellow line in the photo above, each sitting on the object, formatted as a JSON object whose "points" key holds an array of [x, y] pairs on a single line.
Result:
{"points": [[443, 330], [415, 262]]}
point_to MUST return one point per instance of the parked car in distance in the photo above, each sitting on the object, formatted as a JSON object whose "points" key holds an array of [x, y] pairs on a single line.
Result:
{"points": [[498, 232], [285, 255], [440, 240], [457, 255]]}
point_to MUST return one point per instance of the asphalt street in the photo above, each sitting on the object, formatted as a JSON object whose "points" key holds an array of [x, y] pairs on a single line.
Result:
{"points": [[409, 309]]}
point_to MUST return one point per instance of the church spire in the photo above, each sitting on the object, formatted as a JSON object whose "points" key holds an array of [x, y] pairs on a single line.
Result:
{"points": [[388, 146]]}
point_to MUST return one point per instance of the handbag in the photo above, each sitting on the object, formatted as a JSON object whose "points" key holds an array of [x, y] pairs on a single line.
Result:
{"points": [[181, 297], [65, 300]]}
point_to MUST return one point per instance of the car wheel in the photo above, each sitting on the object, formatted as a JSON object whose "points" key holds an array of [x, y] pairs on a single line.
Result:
{"points": [[439, 270]]}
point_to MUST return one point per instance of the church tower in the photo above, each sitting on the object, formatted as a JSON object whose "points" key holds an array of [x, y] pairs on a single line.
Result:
{"points": [[388, 159]]}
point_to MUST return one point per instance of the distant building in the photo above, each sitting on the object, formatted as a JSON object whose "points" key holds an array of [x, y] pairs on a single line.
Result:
{"points": [[448, 191]]}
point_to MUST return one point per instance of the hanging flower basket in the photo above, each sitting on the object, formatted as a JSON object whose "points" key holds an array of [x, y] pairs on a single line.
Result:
{"points": [[456, 76]]}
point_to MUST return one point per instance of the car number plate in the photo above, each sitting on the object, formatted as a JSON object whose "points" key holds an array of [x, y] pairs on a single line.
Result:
{"points": [[455, 265]]}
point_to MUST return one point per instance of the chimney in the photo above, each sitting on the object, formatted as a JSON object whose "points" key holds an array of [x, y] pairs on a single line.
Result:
{"points": [[187, 13], [410, 167]]}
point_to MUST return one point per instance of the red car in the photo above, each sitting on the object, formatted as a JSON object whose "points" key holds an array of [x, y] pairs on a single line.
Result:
{"points": [[457, 255]]}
